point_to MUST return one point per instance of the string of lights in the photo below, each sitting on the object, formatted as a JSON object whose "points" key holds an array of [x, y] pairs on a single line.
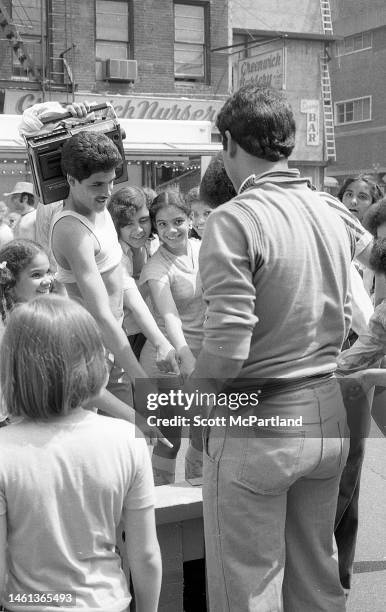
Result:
{"points": [[176, 166], [17, 166], [14, 167]]}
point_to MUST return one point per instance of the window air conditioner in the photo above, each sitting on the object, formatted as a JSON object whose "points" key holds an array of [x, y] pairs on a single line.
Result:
{"points": [[120, 70]]}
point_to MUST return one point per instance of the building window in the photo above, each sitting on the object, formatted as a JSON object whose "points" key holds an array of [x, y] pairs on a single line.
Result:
{"points": [[352, 44], [27, 17], [352, 111], [111, 32], [191, 33]]}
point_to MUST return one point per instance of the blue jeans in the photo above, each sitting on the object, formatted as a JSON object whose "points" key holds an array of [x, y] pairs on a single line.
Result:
{"points": [[270, 497]]}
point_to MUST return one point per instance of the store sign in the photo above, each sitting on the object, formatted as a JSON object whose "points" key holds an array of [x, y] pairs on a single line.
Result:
{"points": [[16, 102], [311, 109], [264, 69]]}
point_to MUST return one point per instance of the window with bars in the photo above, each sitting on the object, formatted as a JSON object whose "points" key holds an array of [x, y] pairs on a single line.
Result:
{"points": [[190, 41], [112, 40], [27, 17], [357, 42], [352, 111]]}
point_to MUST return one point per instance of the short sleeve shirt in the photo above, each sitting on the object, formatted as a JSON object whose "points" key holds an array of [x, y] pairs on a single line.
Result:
{"points": [[182, 276], [63, 486]]}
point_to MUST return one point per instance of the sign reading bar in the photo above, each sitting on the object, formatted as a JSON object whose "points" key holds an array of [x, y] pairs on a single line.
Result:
{"points": [[311, 109], [265, 69]]}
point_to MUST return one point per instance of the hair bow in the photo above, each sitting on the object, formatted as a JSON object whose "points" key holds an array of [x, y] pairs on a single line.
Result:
{"points": [[3, 265]]}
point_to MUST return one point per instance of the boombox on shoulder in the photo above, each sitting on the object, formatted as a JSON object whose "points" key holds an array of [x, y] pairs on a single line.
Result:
{"points": [[45, 152]]}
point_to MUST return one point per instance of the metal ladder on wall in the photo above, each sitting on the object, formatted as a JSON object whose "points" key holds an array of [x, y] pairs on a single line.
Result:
{"points": [[59, 44], [329, 130], [12, 33], [56, 42]]}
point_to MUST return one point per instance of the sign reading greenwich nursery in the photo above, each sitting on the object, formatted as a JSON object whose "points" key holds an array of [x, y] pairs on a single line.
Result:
{"points": [[265, 68], [132, 107]]}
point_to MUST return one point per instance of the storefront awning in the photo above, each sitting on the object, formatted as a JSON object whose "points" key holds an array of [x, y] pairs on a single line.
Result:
{"points": [[146, 139], [150, 150], [11, 143]]}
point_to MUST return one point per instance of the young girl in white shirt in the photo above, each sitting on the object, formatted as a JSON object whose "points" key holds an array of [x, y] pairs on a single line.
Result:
{"points": [[130, 215], [172, 277], [78, 474], [25, 274]]}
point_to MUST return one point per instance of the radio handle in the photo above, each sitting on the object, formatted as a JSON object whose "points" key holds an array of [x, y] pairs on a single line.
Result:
{"points": [[95, 107]]}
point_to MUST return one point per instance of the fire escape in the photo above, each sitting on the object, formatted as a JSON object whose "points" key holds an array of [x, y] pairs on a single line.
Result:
{"points": [[56, 48], [329, 131], [11, 30]]}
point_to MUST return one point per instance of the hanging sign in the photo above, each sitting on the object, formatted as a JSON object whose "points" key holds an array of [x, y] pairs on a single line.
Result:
{"points": [[263, 68], [311, 109]]}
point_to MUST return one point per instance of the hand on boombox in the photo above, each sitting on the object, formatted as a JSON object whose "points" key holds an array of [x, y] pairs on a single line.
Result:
{"points": [[37, 116]]}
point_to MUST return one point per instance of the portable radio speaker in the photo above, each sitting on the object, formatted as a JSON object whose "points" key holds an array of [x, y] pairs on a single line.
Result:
{"points": [[45, 151]]}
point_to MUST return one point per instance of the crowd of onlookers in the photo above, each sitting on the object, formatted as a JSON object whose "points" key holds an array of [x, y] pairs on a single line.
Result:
{"points": [[252, 280], [17, 217]]}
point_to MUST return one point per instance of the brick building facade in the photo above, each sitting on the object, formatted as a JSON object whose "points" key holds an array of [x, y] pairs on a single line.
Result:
{"points": [[359, 87], [284, 45], [149, 36], [151, 58]]}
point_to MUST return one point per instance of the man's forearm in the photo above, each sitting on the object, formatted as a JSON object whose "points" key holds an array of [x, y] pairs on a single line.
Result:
{"points": [[116, 341], [380, 288], [149, 327], [112, 406], [209, 376], [126, 359], [375, 376], [216, 367]]}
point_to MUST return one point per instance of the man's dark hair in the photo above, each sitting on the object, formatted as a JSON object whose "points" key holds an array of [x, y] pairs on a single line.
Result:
{"points": [[261, 121], [377, 260], [216, 187], [375, 216], [31, 199], [86, 153], [124, 203]]}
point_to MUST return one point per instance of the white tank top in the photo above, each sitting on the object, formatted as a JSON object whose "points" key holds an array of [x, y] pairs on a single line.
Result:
{"points": [[110, 251]]}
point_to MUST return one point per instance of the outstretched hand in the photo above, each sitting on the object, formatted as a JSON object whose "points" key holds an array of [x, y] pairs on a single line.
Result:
{"points": [[152, 434], [361, 379], [167, 360], [369, 378], [186, 362]]}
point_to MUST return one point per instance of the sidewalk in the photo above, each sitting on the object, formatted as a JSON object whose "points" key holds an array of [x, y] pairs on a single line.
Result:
{"points": [[369, 581]]}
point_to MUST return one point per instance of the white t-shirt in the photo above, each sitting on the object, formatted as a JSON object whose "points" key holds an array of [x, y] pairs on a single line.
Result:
{"points": [[25, 227], [63, 487], [44, 216], [130, 324], [6, 234], [181, 275], [362, 308]]}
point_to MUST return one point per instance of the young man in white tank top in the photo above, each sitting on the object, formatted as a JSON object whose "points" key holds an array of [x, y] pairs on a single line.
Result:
{"points": [[85, 245], [86, 248]]}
